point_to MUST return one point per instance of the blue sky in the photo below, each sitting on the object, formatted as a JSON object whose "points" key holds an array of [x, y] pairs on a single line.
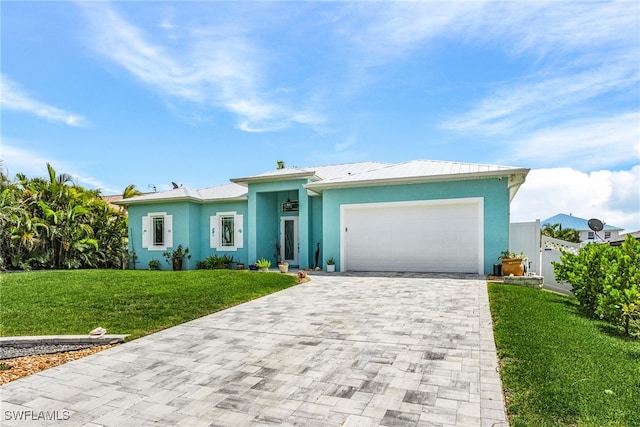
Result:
{"points": [[199, 92]]}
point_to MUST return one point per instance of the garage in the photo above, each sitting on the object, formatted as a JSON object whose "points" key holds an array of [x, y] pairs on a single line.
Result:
{"points": [[419, 236]]}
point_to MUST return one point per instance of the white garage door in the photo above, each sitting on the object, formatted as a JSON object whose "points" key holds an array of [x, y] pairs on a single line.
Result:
{"points": [[426, 236]]}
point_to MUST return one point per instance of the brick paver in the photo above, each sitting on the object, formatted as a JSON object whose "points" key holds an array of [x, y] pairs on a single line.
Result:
{"points": [[401, 350]]}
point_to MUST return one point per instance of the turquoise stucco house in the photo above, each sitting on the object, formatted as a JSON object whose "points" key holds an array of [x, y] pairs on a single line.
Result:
{"points": [[422, 215]]}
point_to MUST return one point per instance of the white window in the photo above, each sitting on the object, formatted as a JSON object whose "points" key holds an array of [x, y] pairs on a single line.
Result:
{"points": [[157, 232], [607, 234], [226, 231], [592, 235]]}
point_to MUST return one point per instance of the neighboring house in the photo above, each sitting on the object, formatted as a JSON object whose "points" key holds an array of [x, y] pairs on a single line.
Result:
{"points": [[608, 233], [425, 216], [620, 239], [112, 200]]}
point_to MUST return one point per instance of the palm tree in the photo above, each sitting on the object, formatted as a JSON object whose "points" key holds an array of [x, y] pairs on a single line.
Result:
{"points": [[131, 191], [53, 223], [557, 232]]}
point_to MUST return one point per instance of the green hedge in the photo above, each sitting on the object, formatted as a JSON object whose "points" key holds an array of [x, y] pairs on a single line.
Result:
{"points": [[606, 281]]}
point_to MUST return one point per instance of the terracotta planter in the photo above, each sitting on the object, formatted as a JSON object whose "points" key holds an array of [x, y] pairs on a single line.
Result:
{"points": [[512, 266]]}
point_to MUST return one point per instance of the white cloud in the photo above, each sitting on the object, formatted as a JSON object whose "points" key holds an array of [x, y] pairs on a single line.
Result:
{"points": [[34, 164], [589, 144], [579, 52], [611, 196], [542, 98], [16, 99], [212, 68], [18, 160], [350, 141]]}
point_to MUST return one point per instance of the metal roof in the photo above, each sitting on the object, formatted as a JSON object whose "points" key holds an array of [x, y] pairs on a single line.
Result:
{"points": [[317, 173], [346, 175], [574, 222], [224, 192], [414, 169]]}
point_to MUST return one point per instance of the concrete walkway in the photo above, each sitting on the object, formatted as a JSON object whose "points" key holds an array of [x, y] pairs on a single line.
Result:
{"points": [[339, 350]]}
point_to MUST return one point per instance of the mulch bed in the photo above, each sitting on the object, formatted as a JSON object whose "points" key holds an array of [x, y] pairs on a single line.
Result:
{"points": [[18, 367]]}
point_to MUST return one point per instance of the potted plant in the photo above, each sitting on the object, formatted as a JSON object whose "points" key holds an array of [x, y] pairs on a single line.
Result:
{"points": [[154, 264], [284, 267], [331, 265], [263, 264], [512, 263], [176, 256]]}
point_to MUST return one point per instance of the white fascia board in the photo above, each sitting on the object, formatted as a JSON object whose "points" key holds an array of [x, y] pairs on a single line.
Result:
{"points": [[125, 202], [273, 178]]}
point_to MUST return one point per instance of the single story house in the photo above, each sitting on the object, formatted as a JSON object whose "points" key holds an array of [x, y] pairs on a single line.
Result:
{"points": [[608, 233], [422, 215]]}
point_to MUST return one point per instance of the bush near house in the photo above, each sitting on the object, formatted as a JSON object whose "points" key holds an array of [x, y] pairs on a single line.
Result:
{"points": [[52, 223], [606, 281]]}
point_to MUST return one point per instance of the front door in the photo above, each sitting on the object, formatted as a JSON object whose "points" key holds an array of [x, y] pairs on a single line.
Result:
{"points": [[289, 246]]}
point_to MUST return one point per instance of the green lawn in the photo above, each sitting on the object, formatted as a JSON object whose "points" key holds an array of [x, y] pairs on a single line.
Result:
{"points": [[136, 302], [560, 368]]}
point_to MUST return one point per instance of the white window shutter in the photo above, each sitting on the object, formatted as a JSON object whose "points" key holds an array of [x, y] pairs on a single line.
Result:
{"points": [[168, 226], [213, 232], [238, 225], [146, 231]]}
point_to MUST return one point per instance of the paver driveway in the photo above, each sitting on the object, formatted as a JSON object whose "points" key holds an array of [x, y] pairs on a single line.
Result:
{"points": [[339, 350]]}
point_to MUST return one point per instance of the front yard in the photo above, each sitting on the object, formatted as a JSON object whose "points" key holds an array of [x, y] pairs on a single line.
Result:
{"points": [[135, 302], [560, 368]]}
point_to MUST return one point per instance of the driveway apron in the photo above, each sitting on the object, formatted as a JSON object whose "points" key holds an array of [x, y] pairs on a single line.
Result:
{"points": [[336, 351]]}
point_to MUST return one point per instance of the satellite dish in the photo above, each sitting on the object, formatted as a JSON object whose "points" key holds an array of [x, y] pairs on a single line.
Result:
{"points": [[595, 224], [175, 185]]}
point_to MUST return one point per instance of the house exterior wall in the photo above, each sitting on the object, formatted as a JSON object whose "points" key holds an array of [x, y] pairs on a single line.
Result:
{"points": [[315, 224], [496, 209], [186, 232], [319, 219], [203, 233], [590, 236], [264, 211]]}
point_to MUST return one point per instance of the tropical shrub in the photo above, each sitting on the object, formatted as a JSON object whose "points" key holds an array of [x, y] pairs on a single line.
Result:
{"points": [[606, 281], [620, 298], [215, 261], [53, 223], [586, 272], [263, 263]]}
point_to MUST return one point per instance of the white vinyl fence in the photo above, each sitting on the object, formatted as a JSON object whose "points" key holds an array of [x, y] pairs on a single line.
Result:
{"points": [[551, 251], [541, 251], [525, 237]]}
